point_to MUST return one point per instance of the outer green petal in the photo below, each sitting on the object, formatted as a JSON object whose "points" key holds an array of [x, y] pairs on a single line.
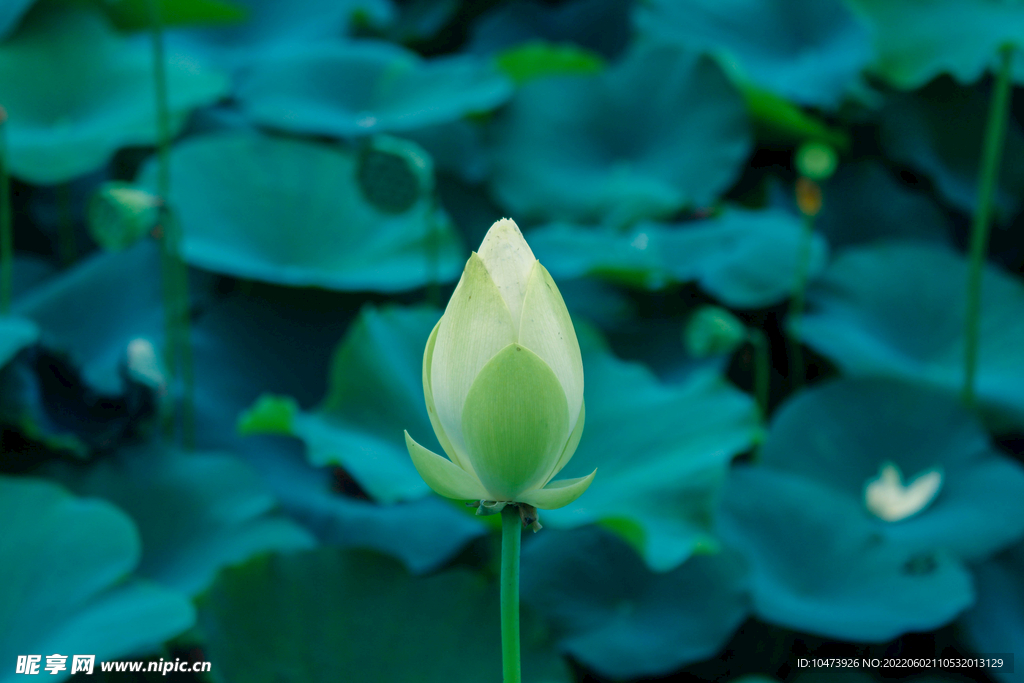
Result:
{"points": [[428, 395], [445, 477], [508, 259], [570, 446], [475, 326], [546, 329], [516, 422], [558, 493]]}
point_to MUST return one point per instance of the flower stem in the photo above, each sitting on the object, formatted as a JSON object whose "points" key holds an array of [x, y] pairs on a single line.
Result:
{"points": [[67, 247], [761, 369], [995, 134], [511, 533], [178, 350], [6, 224], [797, 369]]}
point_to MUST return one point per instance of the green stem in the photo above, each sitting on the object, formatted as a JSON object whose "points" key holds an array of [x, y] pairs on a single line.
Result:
{"points": [[178, 349], [511, 533], [67, 248], [761, 369], [995, 134], [6, 225], [797, 370]]}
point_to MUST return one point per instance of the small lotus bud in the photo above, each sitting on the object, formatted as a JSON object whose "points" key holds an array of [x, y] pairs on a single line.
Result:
{"points": [[816, 161], [712, 330], [144, 365], [120, 214], [503, 383], [888, 498]]}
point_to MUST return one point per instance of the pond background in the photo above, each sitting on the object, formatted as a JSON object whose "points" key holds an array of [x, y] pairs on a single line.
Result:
{"points": [[759, 213]]}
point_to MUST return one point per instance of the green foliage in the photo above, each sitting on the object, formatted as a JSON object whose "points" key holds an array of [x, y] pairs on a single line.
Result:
{"points": [[66, 579], [746, 259], [530, 61], [235, 193], [329, 615], [75, 92], [584, 148]]}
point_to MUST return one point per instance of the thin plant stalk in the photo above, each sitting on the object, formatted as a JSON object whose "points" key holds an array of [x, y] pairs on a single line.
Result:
{"points": [[797, 368], [178, 348], [762, 369], [67, 247], [995, 134], [6, 224], [511, 533]]}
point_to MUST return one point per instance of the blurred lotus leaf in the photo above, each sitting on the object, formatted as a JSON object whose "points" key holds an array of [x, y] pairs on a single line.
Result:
{"points": [[746, 259], [916, 40], [134, 15], [662, 450], [624, 621], [375, 391], [361, 87], [777, 120], [15, 334], [938, 132], [587, 149], [281, 340], [713, 330], [897, 310], [538, 59], [329, 615], [600, 26], [65, 579], [864, 202], [76, 92], [840, 434], [297, 213], [276, 23], [11, 13], [807, 51], [820, 565], [196, 513], [995, 623]]}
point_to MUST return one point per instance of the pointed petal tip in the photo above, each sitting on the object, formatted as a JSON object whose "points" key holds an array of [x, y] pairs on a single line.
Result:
{"points": [[557, 494], [442, 475]]}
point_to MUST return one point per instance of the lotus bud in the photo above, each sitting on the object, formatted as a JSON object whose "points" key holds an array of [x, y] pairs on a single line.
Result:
{"points": [[712, 330], [120, 214], [503, 383]]}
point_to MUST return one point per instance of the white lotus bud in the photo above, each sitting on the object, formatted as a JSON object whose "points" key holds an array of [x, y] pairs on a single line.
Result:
{"points": [[503, 382]]}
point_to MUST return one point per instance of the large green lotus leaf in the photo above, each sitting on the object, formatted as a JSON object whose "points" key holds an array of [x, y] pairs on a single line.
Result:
{"points": [[747, 259], [196, 513], [916, 40], [863, 202], [93, 310], [808, 51], [334, 615], [11, 13], [996, 622], [897, 310], [294, 213], [661, 130], [375, 392], [818, 565], [624, 621], [65, 582], [282, 341], [75, 92], [15, 334], [661, 452], [361, 87], [842, 433], [939, 132]]}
